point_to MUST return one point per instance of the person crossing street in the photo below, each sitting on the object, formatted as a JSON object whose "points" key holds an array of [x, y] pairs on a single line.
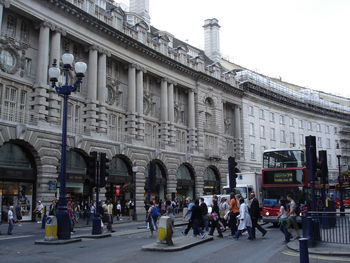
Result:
{"points": [[255, 215]]}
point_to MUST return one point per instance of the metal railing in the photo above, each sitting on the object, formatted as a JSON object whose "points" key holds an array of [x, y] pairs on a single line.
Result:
{"points": [[334, 227]]}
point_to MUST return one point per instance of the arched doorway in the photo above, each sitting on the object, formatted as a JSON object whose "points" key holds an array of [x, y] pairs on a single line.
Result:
{"points": [[185, 183], [17, 180], [155, 186], [211, 181], [120, 185], [78, 185]]}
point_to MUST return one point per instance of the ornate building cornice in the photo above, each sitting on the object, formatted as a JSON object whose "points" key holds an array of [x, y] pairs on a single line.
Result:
{"points": [[287, 101], [70, 9]]}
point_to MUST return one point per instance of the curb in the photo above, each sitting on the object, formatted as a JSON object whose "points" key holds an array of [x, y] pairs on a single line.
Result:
{"points": [[165, 248], [95, 236], [57, 242], [322, 253]]}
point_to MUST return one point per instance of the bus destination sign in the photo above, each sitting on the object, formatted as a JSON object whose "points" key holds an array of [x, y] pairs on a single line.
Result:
{"points": [[283, 177]]}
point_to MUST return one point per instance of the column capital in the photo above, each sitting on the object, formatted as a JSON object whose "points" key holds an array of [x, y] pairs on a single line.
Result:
{"points": [[44, 24], [60, 30], [5, 3], [133, 65], [93, 48], [172, 82], [140, 68]]}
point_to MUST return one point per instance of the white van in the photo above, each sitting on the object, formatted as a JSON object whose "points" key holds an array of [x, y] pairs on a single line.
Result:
{"points": [[208, 200]]}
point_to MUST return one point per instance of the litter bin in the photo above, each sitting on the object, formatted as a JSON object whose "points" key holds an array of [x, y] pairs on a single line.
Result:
{"points": [[165, 230], [51, 228]]}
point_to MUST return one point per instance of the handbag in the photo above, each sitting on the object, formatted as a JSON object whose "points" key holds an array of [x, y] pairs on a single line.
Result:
{"points": [[214, 216]]}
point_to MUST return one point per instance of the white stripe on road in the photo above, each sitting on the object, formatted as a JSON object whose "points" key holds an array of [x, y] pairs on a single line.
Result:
{"points": [[335, 258], [6, 238]]}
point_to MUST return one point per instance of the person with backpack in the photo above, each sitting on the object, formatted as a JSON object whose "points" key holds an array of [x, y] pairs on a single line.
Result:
{"points": [[152, 217]]}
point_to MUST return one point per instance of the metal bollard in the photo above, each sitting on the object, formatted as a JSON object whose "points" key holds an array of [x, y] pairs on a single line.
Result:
{"points": [[51, 228], [303, 250]]}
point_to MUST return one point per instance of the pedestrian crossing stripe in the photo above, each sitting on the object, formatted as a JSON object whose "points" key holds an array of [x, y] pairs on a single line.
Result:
{"points": [[321, 257]]}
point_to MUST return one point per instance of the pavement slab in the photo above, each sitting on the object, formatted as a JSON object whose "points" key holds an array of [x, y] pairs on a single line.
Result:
{"points": [[57, 242], [180, 243]]}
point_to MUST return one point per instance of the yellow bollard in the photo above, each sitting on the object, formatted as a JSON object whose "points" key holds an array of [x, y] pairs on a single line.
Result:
{"points": [[51, 228], [165, 230]]}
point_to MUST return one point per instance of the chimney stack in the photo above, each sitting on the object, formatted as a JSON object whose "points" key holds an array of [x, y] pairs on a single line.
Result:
{"points": [[212, 39], [140, 7]]}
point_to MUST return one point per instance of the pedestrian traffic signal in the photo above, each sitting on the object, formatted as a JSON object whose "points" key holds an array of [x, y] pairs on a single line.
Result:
{"points": [[92, 165], [322, 167], [232, 172], [104, 169]]}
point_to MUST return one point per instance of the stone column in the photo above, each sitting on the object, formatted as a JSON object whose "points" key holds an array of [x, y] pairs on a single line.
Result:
{"points": [[238, 136], [237, 122], [55, 54], [191, 120], [172, 138], [92, 74], [131, 119], [3, 4], [164, 112], [101, 92], [41, 85], [91, 110], [139, 103]]}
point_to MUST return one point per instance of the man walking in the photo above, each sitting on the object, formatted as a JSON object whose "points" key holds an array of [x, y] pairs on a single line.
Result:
{"points": [[10, 220], [188, 215], [234, 212], [110, 216], [255, 215], [205, 218]]}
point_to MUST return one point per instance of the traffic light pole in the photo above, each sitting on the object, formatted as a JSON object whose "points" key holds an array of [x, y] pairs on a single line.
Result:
{"points": [[96, 223]]}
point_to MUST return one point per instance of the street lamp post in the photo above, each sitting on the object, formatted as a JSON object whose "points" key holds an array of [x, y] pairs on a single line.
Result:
{"points": [[340, 181], [63, 221]]}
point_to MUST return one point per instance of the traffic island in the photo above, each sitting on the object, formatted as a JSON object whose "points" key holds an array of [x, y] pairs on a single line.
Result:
{"points": [[57, 242], [95, 236], [180, 243], [324, 249]]}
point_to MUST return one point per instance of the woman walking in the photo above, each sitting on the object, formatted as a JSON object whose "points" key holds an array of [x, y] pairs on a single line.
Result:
{"points": [[283, 219], [215, 219], [245, 222]]}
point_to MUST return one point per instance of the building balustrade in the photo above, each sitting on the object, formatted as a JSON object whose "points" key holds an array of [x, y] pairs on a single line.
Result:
{"points": [[12, 114]]}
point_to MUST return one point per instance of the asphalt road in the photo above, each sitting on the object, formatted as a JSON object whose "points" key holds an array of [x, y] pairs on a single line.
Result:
{"points": [[127, 248]]}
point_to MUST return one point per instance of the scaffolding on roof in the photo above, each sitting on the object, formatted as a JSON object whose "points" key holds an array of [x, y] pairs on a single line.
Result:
{"points": [[305, 95]]}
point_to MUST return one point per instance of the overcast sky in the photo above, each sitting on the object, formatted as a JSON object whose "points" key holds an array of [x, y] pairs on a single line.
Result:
{"points": [[305, 42]]}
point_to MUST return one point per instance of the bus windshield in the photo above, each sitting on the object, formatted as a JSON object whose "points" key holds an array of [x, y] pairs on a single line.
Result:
{"points": [[283, 159]]}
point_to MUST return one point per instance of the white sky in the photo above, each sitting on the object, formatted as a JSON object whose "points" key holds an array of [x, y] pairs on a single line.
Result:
{"points": [[306, 42]]}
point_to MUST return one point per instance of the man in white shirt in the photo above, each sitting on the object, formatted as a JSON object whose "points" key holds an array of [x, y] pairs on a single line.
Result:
{"points": [[10, 220]]}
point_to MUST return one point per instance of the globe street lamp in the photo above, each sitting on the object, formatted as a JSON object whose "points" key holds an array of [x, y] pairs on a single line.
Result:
{"points": [[63, 221]]}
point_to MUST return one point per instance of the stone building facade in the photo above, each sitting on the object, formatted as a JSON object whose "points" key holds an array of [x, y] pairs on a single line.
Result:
{"points": [[147, 97]]}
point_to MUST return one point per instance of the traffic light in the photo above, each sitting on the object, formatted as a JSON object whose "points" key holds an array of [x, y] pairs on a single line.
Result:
{"points": [[92, 165], [104, 169], [322, 167], [151, 180], [311, 158], [232, 172]]}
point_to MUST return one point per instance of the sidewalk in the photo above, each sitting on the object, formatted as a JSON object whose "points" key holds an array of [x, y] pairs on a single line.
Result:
{"points": [[127, 225], [325, 249]]}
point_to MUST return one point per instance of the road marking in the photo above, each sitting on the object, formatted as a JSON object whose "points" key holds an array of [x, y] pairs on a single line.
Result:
{"points": [[15, 237], [335, 258]]}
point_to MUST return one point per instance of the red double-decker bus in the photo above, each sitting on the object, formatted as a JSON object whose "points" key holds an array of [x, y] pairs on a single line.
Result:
{"points": [[346, 194], [283, 173]]}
